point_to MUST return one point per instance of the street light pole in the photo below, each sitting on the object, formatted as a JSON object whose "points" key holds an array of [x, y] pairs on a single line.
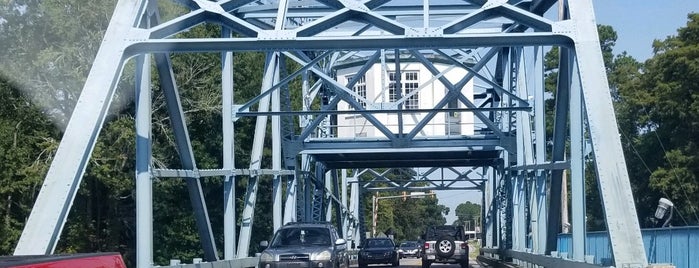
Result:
{"points": [[375, 206]]}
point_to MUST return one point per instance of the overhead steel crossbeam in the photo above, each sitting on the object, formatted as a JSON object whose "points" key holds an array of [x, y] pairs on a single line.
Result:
{"points": [[427, 181], [496, 43]]}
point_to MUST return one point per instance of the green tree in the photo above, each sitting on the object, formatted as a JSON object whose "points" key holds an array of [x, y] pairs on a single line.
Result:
{"points": [[467, 213], [27, 143], [659, 109]]}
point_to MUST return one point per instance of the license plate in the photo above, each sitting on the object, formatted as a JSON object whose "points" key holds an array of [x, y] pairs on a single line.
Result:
{"points": [[430, 257]]}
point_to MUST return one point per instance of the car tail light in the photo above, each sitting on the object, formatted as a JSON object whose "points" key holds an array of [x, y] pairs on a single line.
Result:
{"points": [[464, 246], [427, 245]]}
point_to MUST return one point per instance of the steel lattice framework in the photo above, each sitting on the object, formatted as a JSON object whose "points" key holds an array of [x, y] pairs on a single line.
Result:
{"points": [[499, 43]]}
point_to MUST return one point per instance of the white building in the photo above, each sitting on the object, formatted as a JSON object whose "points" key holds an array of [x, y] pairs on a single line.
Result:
{"points": [[420, 91]]}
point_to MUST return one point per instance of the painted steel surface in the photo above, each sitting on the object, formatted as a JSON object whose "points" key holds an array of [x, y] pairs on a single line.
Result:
{"points": [[675, 245]]}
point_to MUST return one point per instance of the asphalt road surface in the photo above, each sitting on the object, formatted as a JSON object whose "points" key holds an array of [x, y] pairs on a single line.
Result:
{"points": [[417, 263]]}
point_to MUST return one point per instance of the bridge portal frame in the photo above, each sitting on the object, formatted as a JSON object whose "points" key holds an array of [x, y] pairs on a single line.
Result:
{"points": [[582, 95]]}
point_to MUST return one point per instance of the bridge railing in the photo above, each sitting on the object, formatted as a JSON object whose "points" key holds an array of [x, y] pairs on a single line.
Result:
{"points": [[676, 245], [237, 263]]}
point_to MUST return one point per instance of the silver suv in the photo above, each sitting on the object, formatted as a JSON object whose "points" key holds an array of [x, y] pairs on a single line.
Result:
{"points": [[305, 245], [445, 244]]}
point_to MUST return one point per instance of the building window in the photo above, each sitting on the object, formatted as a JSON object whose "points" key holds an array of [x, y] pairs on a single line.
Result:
{"points": [[359, 88], [409, 83]]}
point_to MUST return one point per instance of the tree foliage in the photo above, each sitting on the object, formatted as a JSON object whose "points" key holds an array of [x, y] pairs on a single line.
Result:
{"points": [[658, 108], [468, 213]]}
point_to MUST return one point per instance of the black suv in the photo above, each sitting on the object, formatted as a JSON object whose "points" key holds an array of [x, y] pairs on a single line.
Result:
{"points": [[305, 245], [445, 244], [378, 251]]}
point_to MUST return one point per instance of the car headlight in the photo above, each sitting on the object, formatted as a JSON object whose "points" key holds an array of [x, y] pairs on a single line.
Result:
{"points": [[266, 257], [322, 256]]}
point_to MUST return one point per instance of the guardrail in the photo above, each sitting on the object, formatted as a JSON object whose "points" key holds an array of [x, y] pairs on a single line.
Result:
{"points": [[197, 263]]}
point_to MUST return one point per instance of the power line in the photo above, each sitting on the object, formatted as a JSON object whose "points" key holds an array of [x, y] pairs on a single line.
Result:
{"points": [[674, 171], [648, 169]]}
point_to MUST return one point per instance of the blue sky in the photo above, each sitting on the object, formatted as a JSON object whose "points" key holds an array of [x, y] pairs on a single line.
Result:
{"points": [[637, 24]]}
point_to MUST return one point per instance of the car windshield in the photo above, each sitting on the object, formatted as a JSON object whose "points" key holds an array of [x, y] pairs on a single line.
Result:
{"points": [[379, 243], [407, 244], [301, 236]]}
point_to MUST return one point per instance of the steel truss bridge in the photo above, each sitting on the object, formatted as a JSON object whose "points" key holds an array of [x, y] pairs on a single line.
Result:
{"points": [[501, 45]]}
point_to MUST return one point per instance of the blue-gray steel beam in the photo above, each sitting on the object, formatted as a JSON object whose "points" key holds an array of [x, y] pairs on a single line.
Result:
{"points": [[384, 111], [322, 24], [524, 17], [537, 80], [454, 92], [343, 198], [290, 213], [339, 207], [397, 89], [307, 197], [186, 154], [341, 93], [270, 71], [543, 260], [525, 156], [558, 152], [496, 87], [466, 21], [276, 157], [329, 197], [283, 6], [247, 217], [435, 9], [347, 43], [48, 216], [283, 82], [317, 183], [577, 170], [228, 130], [144, 184], [201, 173], [613, 178]]}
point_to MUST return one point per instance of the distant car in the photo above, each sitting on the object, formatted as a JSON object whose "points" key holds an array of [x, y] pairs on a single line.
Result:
{"points": [[378, 251], [305, 245], [409, 249]]}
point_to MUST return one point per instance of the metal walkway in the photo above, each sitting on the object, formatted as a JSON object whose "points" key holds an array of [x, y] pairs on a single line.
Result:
{"points": [[491, 117]]}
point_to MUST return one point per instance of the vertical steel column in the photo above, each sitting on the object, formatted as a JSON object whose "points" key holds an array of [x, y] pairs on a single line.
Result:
{"points": [[495, 208], [276, 158], [577, 171], [339, 215], [290, 203], [256, 157], [525, 155], [318, 183], [144, 184], [540, 148], [343, 199], [558, 153], [489, 208], [398, 90], [355, 208], [228, 130], [329, 191], [282, 8]]}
